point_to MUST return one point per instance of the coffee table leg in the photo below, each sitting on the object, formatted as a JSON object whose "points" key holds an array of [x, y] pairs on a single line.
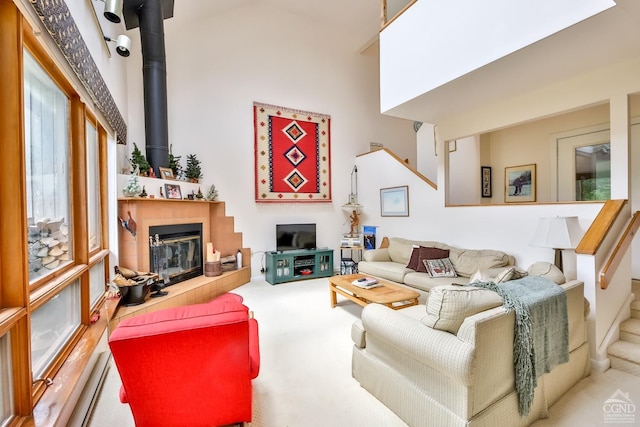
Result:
{"points": [[332, 295]]}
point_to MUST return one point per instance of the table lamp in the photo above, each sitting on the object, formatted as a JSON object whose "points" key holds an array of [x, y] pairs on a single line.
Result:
{"points": [[558, 233]]}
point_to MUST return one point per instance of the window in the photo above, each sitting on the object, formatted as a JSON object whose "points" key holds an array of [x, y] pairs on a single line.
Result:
{"points": [[6, 394], [52, 325], [593, 172], [97, 285], [46, 110], [48, 287], [93, 187]]}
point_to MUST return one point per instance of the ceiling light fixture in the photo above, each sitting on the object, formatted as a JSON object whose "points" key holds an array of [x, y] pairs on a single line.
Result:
{"points": [[113, 10], [123, 44]]}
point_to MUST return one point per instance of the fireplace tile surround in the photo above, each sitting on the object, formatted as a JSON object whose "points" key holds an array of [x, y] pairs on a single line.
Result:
{"points": [[216, 228]]}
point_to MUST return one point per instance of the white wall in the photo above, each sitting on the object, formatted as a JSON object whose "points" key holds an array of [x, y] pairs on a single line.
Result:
{"points": [[427, 157], [463, 183], [504, 227], [218, 66], [413, 64]]}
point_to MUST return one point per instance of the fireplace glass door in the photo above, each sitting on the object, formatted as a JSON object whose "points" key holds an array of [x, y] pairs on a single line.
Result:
{"points": [[175, 252]]}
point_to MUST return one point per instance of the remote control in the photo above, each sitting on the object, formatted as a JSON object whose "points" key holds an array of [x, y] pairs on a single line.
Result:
{"points": [[364, 279]]}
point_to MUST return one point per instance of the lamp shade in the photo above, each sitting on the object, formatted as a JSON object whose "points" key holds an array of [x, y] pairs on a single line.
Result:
{"points": [[560, 232]]}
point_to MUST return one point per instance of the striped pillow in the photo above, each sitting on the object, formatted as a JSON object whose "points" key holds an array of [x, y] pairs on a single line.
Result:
{"points": [[449, 305]]}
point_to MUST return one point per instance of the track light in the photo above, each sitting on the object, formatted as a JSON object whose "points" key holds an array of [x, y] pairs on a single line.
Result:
{"points": [[113, 10], [123, 44]]}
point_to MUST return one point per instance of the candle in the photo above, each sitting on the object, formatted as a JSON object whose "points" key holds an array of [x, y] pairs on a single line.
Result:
{"points": [[209, 257]]}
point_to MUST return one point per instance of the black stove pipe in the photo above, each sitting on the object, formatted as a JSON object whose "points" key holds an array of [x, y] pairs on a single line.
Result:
{"points": [[154, 74]]}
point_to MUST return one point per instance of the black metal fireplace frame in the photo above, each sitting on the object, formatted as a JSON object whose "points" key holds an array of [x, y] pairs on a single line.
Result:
{"points": [[173, 231]]}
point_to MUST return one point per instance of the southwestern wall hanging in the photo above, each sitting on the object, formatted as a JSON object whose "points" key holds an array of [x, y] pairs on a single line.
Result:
{"points": [[292, 154]]}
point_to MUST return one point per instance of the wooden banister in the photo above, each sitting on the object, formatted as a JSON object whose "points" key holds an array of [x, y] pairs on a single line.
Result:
{"points": [[600, 227], [406, 165], [619, 251]]}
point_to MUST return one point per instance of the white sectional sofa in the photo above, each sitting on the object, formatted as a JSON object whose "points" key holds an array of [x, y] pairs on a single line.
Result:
{"points": [[391, 263], [464, 375]]}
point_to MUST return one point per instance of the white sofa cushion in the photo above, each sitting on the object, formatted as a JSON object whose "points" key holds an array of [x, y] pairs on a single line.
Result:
{"points": [[548, 270], [468, 261], [424, 282], [498, 275], [388, 270], [448, 306]]}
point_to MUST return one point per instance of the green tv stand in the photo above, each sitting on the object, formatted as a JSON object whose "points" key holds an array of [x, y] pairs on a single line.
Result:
{"points": [[287, 266]]}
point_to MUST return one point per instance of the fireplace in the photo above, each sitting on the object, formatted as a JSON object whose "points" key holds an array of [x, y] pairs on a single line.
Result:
{"points": [[175, 252]]}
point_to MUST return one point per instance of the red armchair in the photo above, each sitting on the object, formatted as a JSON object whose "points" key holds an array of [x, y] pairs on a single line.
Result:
{"points": [[190, 365]]}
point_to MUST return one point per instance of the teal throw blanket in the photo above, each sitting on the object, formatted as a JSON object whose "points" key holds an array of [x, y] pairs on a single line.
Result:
{"points": [[541, 338]]}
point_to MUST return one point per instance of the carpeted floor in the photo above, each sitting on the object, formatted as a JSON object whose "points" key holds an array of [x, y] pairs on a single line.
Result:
{"points": [[305, 375]]}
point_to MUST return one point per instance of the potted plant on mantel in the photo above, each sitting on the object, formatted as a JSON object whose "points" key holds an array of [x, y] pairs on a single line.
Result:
{"points": [[137, 158], [193, 171], [174, 162]]}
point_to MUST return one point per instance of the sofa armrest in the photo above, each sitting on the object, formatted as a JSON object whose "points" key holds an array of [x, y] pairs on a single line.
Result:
{"points": [[376, 255], [254, 349], [389, 331], [358, 335]]}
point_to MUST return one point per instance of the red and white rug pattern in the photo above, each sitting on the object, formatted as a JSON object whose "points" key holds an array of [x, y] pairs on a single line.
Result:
{"points": [[292, 155]]}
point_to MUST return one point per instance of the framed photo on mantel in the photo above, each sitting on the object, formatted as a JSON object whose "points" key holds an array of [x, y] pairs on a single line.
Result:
{"points": [[173, 191], [166, 173]]}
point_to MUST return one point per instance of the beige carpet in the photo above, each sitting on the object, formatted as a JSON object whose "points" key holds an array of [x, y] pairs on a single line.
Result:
{"points": [[305, 377]]}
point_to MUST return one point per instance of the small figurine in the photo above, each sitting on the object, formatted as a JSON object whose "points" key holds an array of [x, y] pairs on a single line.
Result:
{"points": [[213, 193], [355, 221], [129, 224], [161, 193]]}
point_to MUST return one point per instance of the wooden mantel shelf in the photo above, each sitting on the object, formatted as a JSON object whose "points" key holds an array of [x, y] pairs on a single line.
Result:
{"points": [[162, 200]]}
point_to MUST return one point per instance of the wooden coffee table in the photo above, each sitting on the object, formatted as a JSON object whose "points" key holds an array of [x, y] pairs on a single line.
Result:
{"points": [[389, 294]]}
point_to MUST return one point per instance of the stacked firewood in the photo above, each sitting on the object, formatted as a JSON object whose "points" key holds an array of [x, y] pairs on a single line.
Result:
{"points": [[127, 277], [48, 243]]}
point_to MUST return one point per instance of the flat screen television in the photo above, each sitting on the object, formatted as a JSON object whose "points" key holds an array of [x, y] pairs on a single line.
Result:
{"points": [[291, 237]]}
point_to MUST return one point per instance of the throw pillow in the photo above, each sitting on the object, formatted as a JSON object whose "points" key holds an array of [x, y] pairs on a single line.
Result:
{"points": [[511, 273], [448, 306], [430, 253], [415, 258], [440, 267], [548, 270]]}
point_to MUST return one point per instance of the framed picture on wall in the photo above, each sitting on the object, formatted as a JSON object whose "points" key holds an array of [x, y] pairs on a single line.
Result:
{"points": [[485, 181], [520, 184], [394, 201]]}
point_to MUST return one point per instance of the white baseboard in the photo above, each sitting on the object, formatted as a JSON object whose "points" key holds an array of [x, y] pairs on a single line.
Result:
{"points": [[93, 379], [600, 365]]}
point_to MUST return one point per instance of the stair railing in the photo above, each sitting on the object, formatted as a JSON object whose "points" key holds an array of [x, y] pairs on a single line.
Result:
{"points": [[391, 9], [619, 251], [598, 232]]}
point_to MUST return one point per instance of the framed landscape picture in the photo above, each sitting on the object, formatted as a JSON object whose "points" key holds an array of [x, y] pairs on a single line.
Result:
{"points": [[520, 184], [394, 201]]}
